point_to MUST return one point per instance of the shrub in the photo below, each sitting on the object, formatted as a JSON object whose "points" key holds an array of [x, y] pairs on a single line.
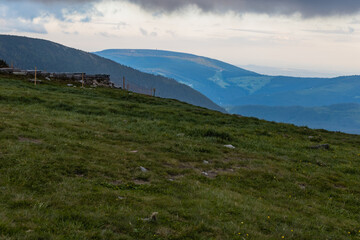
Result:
{"points": [[3, 64]]}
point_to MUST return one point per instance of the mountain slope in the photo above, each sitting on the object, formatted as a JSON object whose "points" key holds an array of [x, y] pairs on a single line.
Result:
{"points": [[211, 77], [26, 53], [343, 117], [228, 85], [70, 163]]}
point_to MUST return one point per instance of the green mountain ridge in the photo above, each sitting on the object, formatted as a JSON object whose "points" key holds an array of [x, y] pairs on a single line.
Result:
{"points": [[28, 53]]}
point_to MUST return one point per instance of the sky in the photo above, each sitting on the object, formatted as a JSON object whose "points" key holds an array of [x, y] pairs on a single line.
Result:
{"points": [[297, 37]]}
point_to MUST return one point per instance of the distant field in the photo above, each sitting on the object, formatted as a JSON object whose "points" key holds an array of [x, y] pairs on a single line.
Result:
{"points": [[70, 163]]}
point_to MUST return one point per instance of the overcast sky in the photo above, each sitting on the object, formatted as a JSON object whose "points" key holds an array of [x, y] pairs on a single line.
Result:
{"points": [[318, 36]]}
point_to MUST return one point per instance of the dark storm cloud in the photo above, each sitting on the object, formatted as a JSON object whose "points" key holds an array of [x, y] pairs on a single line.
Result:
{"points": [[307, 8]]}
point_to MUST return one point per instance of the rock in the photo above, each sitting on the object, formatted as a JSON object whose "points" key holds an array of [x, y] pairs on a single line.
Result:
{"points": [[205, 173], [69, 85], [206, 162], [152, 218], [180, 134], [135, 151], [229, 146], [121, 198], [322, 146], [143, 169], [35, 141], [47, 78]]}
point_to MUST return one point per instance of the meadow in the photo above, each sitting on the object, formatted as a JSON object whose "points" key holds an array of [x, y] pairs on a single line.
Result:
{"points": [[96, 163]]}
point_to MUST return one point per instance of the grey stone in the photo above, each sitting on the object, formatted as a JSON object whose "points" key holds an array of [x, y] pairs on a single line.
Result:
{"points": [[229, 146], [143, 169], [322, 146]]}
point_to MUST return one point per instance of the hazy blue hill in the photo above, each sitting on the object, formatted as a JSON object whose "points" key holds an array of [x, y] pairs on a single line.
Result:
{"points": [[290, 91], [211, 77], [339, 117], [229, 85], [26, 53]]}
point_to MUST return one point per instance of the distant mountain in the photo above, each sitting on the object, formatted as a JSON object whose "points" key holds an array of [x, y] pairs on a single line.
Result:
{"points": [[219, 81], [340, 117], [228, 85], [26, 53]]}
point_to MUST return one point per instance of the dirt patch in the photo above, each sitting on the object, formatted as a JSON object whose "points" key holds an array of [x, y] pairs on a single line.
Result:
{"points": [[116, 183], [214, 173], [340, 186], [141, 182], [30, 140]]}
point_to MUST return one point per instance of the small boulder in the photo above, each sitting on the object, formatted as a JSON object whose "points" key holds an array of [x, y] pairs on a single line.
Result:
{"points": [[229, 146], [322, 146], [143, 169], [152, 218]]}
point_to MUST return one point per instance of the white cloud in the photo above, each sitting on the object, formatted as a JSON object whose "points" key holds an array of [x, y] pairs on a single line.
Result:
{"points": [[259, 39], [21, 25]]}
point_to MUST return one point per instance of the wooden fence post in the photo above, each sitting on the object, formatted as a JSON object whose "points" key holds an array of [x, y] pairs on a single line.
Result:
{"points": [[154, 92], [35, 76]]}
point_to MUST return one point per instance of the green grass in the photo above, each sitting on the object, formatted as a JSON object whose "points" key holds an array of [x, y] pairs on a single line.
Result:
{"points": [[68, 154]]}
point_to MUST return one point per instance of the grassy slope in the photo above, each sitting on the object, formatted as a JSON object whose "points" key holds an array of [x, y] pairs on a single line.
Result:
{"points": [[66, 158]]}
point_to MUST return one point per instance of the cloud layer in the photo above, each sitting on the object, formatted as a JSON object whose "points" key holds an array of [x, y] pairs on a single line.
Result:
{"points": [[307, 8]]}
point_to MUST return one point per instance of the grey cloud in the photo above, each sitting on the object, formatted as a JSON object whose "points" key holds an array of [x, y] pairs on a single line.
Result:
{"points": [[253, 31], [21, 26], [30, 9], [143, 32], [153, 34], [307, 8], [146, 33], [349, 30]]}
